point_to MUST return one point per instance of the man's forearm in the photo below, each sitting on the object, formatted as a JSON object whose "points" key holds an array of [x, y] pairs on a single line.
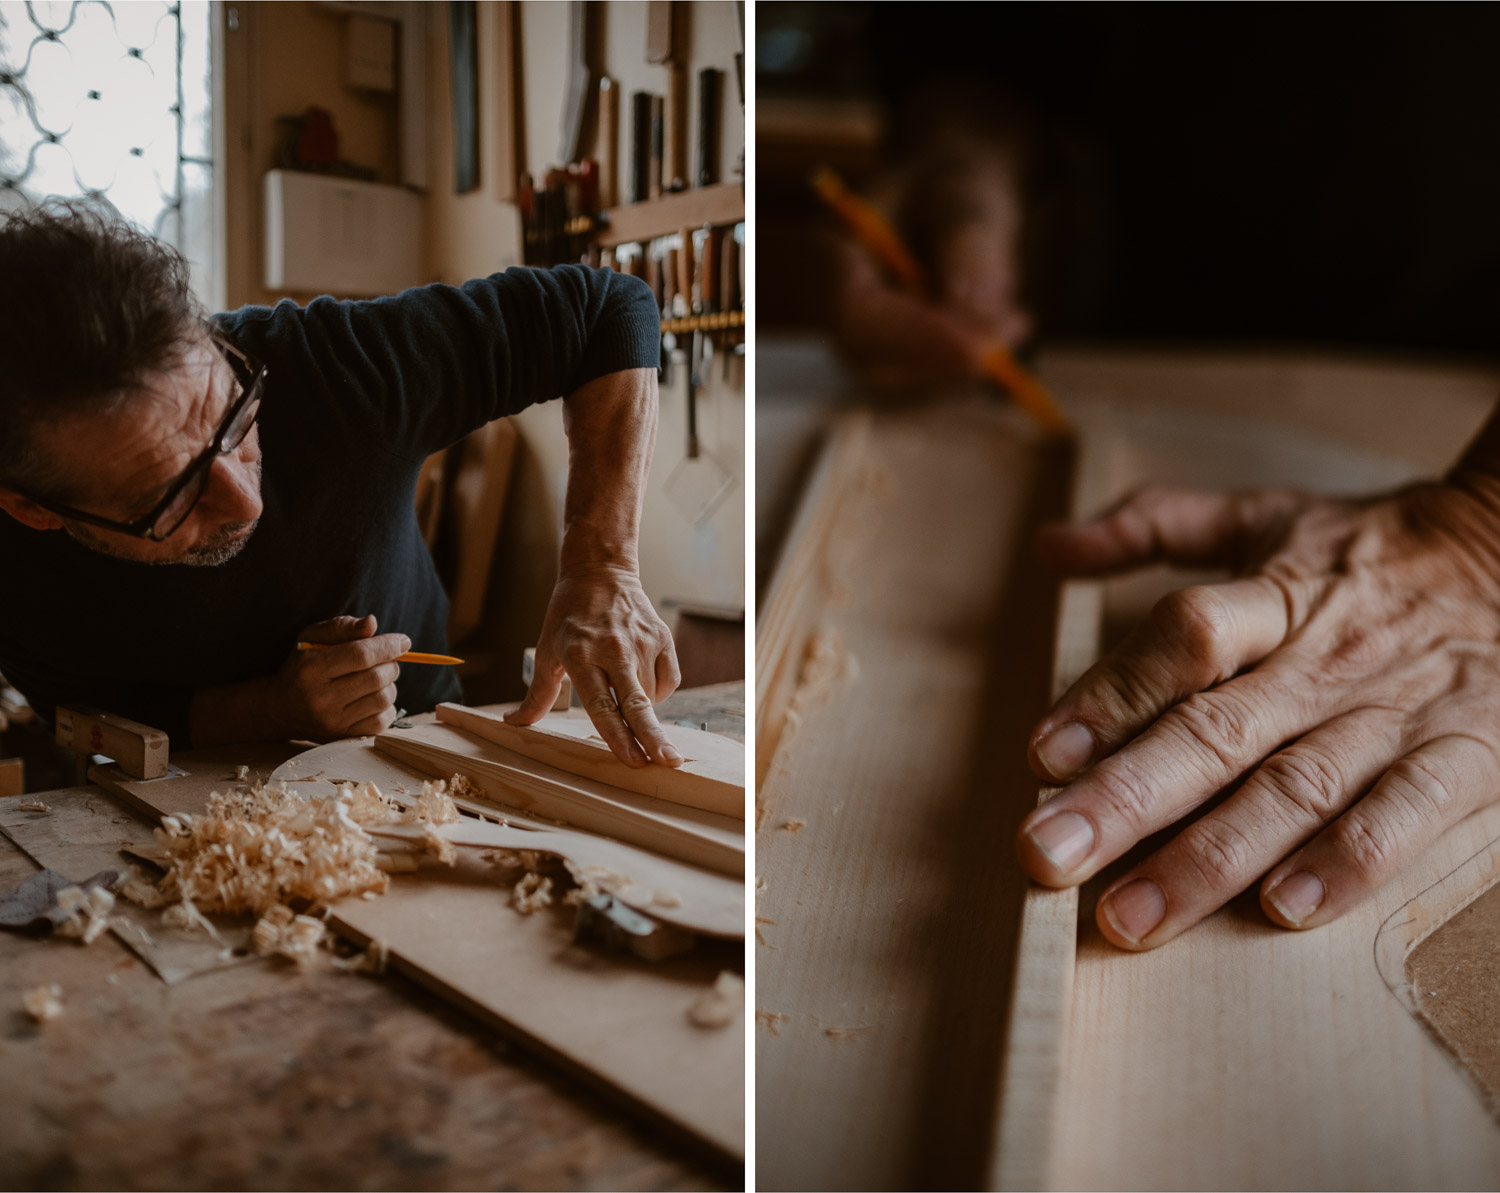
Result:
{"points": [[611, 428]]}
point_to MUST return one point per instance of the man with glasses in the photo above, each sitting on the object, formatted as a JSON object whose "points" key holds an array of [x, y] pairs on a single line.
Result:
{"points": [[266, 462]]}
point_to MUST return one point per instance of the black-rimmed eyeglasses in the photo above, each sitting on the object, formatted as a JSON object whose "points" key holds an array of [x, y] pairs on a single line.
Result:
{"points": [[172, 510]]}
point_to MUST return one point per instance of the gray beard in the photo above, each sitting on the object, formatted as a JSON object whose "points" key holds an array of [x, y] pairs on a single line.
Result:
{"points": [[216, 552]]}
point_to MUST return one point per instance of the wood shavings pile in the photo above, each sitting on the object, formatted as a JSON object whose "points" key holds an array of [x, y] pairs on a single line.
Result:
{"points": [[256, 847], [721, 1004], [44, 1002]]}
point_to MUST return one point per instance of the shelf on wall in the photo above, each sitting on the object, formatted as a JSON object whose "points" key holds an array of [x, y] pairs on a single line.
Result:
{"points": [[722, 203]]}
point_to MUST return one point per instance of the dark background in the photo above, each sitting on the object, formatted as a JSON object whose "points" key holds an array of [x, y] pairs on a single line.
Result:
{"points": [[1319, 174]]}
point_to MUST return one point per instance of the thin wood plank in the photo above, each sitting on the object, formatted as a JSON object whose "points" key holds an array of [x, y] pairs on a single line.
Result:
{"points": [[699, 838], [1042, 994], [804, 584], [712, 779], [887, 901]]}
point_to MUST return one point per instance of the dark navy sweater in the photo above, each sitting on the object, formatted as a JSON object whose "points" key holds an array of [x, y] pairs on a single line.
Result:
{"points": [[357, 395]]}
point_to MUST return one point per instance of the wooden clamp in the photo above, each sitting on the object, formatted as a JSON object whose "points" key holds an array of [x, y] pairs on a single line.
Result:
{"points": [[139, 750]]}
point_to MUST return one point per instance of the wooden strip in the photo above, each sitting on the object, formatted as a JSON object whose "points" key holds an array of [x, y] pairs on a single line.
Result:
{"points": [[712, 779], [888, 905], [722, 203], [698, 838], [1042, 990], [12, 776]]}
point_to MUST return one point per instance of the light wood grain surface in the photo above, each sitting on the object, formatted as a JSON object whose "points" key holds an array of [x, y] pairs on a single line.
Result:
{"points": [[889, 899]]}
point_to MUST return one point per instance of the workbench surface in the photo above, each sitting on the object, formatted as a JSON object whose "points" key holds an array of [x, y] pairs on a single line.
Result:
{"points": [[259, 1076]]}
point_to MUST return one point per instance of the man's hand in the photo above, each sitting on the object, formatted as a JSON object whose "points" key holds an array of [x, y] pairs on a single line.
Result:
{"points": [[968, 241], [348, 690], [602, 631], [1348, 681]]}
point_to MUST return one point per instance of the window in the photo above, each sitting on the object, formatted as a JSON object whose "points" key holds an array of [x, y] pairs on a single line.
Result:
{"points": [[113, 100]]}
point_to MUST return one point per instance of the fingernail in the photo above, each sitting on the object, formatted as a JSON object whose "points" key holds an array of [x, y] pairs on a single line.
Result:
{"points": [[670, 753], [1066, 750], [1064, 839], [405, 644], [1136, 908], [1297, 896]]}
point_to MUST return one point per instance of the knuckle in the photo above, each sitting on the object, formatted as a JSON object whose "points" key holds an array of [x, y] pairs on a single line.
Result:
{"points": [[1422, 786], [600, 704], [1307, 784], [1200, 622], [1221, 854], [1217, 723], [634, 702], [1124, 796], [618, 645], [1364, 845]]}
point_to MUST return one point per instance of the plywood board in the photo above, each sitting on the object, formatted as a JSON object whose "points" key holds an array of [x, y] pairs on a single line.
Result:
{"points": [[712, 777], [617, 1023], [887, 905]]}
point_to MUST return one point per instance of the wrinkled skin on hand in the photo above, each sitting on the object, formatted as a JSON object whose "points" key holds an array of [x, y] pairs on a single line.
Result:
{"points": [[348, 690], [601, 630], [1350, 676]]}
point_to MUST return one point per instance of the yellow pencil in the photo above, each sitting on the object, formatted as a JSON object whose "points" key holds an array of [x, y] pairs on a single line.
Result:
{"points": [[411, 656], [872, 230]]}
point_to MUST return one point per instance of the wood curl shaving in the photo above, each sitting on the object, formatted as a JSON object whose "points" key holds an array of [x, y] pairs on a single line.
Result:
{"points": [[372, 960], [281, 932], [435, 843], [141, 891], [591, 881], [463, 787], [35, 805], [531, 894], [43, 1002], [771, 1021], [721, 1004], [88, 912]]}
